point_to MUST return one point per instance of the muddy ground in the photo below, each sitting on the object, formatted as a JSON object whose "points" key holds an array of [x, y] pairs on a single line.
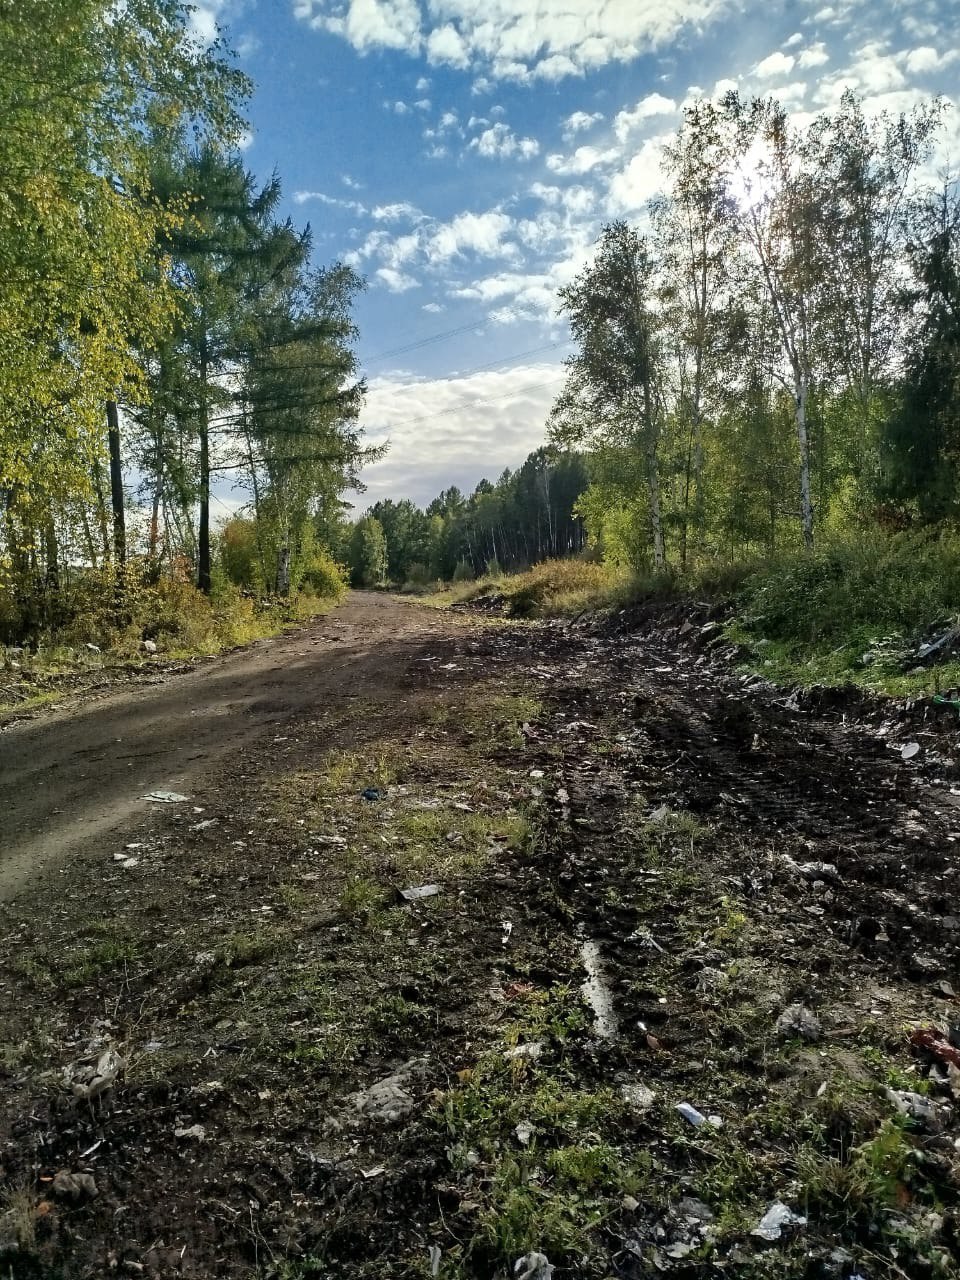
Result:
{"points": [[230, 1047]]}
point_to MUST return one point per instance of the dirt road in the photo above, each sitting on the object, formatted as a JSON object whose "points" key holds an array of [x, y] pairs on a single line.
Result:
{"points": [[67, 778], [482, 950]]}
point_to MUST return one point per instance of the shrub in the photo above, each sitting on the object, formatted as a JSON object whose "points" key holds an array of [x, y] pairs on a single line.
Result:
{"points": [[463, 572], [324, 577]]}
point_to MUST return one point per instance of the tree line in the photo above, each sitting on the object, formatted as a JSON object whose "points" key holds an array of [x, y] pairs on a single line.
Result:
{"points": [[777, 355], [160, 326], [528, 515]]}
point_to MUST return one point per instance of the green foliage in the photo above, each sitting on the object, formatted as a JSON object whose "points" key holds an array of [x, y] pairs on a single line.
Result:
{"points": [[463, 571], [368, 553]]}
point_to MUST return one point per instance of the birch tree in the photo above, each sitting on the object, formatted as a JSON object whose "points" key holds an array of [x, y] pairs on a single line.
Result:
{"points": [[613, 392]]}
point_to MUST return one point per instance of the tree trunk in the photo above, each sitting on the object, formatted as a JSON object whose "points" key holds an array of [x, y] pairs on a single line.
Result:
{"points": [[204, 576], [116, 485], [803, 441]]}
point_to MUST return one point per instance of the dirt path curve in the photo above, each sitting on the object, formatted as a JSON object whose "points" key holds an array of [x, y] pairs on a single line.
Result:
{"points": [[67, 778]]}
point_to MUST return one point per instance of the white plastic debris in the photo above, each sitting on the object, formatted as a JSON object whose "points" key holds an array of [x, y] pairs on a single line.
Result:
{"points": [[507, 926], [524, 1132], [416, 892], [165, 797], [533, 1266], [697, 1118], [778, 1216], [531, 1050], [909, 750], [195, 1131], [435, 1255], [91, 1079]]}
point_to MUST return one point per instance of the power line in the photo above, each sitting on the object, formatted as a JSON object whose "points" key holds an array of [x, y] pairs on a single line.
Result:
{"points": [[422, 342]]}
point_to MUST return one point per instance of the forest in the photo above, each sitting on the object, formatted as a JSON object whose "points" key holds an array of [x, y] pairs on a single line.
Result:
{"points": [[161, 329], [770, 364]]}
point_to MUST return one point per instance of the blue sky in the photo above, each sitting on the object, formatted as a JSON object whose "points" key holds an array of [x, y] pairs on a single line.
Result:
{"points": [[463, 154]]}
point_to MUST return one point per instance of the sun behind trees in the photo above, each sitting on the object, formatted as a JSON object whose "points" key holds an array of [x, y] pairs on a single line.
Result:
{"points": [[778, 358], [158, 326]]}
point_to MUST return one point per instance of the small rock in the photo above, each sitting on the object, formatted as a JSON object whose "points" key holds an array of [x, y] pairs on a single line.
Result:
{"points": [[630, 1203], [796, 1021], [637, 1096], [74, 1187], [531, 1050], [690, 1207]]}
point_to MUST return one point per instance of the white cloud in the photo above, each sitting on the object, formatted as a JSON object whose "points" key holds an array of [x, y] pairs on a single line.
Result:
{"points": [[582, 161], [366, 24], [396, 281], [500, 141], [456, 430], [433, 307], [778, 64], [422, 85], [815, 56], [925, 59], [639, 180], [320, 197], [399, 211], [514, 39], [580, 121], [445, 47], [654, 104], [480, 233]]}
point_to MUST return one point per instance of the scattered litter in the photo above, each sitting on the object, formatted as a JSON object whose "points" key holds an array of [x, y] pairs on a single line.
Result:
{"points": [[165, 797], [436, 1253], [90, 1150], [797, 1021], [533, 1266], [916, 1106], [92, 648], [637, 1096], [697, 1118], [387, 1100], [374, 1172], [374, 793], [536, 773], [694, 1210], [931, 1039], [94, 1077], [813, 870], [660, 814], [771, 1225], [507, 926], [524, 1132], [909, 750], [415, 892], [195, 1131], [205, 825], [332, 842], [532, 1050], [149, 646]]}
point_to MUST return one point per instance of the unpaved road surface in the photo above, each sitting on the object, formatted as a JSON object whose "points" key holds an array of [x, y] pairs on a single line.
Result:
{"points": [[481, 950], [66, 779]]}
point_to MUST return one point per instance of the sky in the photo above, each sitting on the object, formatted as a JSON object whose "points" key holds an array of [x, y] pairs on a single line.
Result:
{"points": [[463, 155]]}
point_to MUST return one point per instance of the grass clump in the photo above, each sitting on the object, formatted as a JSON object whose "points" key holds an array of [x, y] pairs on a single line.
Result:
{"points": [[854, 611]]}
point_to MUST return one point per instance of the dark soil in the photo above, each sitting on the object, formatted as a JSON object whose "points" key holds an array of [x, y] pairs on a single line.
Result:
{"points": [[730, 851]]}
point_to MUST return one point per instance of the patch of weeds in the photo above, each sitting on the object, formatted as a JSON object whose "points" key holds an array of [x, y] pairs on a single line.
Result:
{"points": [[874, 1176], [18, 1218], [241, 948], [82, 965], [360, 898], [448, 843]]}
